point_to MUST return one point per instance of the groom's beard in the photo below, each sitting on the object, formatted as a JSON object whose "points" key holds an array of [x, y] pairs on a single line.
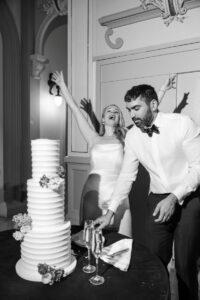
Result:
{"points": [[146, 121]]}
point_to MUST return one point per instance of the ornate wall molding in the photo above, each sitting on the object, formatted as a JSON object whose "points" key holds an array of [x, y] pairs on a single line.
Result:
{"points": [[53, 9], [38, 64], [170, 9], [51, 6], [149, 9]]}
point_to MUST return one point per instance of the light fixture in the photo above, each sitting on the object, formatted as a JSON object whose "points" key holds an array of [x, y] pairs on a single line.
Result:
{"points": [[57, 97]]}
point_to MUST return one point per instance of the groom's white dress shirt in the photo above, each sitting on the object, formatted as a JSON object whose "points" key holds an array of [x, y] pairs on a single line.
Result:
{"points": [[171, 157]]}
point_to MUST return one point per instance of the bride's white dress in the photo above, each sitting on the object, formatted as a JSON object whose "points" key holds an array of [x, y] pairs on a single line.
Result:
{"points": [[106, 162]]}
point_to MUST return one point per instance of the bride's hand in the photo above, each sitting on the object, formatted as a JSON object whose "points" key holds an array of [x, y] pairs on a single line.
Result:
{"points": [[58, 78]]}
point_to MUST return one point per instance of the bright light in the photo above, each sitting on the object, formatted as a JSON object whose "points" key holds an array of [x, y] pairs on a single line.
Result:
{"points": [[58, 100]]}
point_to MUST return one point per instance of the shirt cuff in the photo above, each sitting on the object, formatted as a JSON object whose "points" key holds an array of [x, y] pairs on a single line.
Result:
{"points": [[113, 206], [180, 193]]}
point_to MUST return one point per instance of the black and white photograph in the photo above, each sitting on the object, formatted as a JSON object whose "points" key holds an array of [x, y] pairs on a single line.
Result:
{"points": [[100, 149]]}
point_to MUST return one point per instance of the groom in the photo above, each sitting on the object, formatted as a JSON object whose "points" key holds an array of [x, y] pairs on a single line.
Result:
{"points": [[168, 146]]}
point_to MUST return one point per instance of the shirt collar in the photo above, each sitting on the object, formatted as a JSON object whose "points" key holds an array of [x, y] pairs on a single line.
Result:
{"points": [[158, 119]]}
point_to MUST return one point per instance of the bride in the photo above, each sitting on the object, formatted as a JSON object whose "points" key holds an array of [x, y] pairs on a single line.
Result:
{"points": [[106, 156]]}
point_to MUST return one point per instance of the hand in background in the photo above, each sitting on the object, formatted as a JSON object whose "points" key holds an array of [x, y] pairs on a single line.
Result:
{"points": [[182, 104], [86, 105], [170, 83]]}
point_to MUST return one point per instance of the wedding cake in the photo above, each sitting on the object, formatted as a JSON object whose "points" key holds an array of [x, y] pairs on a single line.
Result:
{"points": [[49, 240]]}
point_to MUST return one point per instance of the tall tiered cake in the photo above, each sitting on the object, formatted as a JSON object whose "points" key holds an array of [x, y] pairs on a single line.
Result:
{"points": [[49, 240]]}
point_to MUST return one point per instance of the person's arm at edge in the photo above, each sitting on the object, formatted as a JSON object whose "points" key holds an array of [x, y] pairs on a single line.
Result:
{"points": [[86, 130], [191, 147], [168, 84], [191, 144]]}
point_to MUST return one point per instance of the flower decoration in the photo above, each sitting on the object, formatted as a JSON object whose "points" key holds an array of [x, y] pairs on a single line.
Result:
{"points": [[55, 182], [44, 181], [61, 172], [50, 274], [22, 224]]}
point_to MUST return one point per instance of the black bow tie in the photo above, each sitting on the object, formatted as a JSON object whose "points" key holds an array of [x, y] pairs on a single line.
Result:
{"points": [[151, 130]]}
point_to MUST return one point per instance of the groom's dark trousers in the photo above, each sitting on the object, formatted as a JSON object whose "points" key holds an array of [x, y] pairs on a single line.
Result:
{"points": [[184, 229]]}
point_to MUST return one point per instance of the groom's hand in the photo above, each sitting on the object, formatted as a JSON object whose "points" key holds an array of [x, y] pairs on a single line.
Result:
{"points": [[165, 208], [104, 220]]}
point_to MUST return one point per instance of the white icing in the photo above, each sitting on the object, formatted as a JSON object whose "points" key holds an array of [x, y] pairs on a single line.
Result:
{"points": [[49, 241], [45, 157]]}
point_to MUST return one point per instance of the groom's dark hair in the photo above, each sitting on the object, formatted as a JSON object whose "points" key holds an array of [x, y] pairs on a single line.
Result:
{"points": [[147, 92]]}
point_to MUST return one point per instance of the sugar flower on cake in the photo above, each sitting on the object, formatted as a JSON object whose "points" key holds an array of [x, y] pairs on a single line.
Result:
{"points": [[61, 172], [44, 181], [22, 224], [55, 182], [50, 274], [18, 235]]}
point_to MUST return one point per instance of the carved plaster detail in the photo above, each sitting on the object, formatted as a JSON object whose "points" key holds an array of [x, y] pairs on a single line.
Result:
{"points": [[38, 65], [52, 6], [170, 9], [118, 43]]}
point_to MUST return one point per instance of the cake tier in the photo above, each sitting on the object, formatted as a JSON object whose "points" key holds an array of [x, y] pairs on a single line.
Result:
{"points": [[45, 206], [45, 157], [51, 246], [33, 275]]}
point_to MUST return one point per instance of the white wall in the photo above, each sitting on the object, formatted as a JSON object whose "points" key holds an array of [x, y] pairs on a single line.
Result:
{"points": [[88, 36], [1, 119], [141, 34]]}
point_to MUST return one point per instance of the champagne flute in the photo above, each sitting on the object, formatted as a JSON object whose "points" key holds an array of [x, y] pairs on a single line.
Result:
{"points": [[97, 245], [87, 238]]}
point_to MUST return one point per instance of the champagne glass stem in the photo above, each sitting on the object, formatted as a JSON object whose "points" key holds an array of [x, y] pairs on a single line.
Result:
{"points": [[97, 279], [89, 256], [97, 266], [87, 237]]}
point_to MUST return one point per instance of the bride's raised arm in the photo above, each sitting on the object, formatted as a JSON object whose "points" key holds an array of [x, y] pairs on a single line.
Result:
{"points": [[87, 131]]}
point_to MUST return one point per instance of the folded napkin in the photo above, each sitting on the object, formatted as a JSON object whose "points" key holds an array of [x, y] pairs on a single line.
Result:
{"points": [[118, 254]]}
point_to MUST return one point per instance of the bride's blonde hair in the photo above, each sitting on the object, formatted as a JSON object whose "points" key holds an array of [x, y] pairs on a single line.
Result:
{"points": [[120, 130]]}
